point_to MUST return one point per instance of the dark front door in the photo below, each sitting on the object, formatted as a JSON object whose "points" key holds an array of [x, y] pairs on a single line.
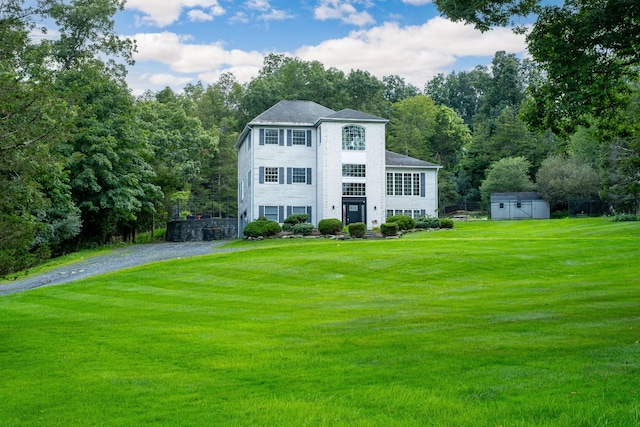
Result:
{"points": [[354, 210]]}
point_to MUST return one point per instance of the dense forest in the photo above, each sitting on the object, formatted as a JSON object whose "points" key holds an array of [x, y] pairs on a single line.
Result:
{"points": [[83, 162]]}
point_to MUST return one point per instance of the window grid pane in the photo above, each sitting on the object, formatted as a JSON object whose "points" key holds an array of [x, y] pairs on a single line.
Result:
{"points": [[299, 137], [389, 184], [398, 186], [354, 170], [416, 184], [353, 138], [299, 175], [271, 175], [353, 189], [407, 184], [271, 136]]}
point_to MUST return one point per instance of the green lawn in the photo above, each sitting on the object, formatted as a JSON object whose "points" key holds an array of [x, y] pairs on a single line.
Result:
{"points": [[529, 323]]}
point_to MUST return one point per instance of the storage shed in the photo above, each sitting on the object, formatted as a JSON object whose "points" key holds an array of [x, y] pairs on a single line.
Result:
{"points": [[524, 205]]}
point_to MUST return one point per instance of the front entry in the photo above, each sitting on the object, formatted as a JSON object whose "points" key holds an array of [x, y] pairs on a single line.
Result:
{"points": [[354, 209]]}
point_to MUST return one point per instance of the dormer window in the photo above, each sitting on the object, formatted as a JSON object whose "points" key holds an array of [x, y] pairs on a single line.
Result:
{"points": [[353, 138]]}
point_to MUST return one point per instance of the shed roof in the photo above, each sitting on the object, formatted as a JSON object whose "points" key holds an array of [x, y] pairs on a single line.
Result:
{"points": [[395, 159], [523, 195]]}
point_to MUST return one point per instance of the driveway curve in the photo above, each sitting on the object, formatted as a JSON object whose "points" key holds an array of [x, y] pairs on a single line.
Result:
{"points": [[118, 259]]}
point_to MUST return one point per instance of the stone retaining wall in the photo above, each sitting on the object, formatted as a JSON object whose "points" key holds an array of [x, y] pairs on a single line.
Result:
{"points": [[205, 229]]}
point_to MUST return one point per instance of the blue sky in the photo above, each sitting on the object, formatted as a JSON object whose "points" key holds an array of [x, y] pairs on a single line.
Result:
{"points": [[185, 41]]}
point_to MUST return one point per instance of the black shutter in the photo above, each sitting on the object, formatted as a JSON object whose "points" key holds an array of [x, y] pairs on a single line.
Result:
{"points": [[308, 138], [289, 175], [261, 136], [289, 138], [261, 175], [423, 181], [281, 137], [280, 175], [309, 214], [309, 176], [260, 211], [281, 214], [289, 211]]}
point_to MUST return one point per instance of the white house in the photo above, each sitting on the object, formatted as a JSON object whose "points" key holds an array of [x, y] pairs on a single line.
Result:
{"points": [[301, 157]]}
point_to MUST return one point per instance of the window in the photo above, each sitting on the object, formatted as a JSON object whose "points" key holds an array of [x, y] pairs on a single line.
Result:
{"points": [[389, 213], [353, 138], [271, 175], [416, 184], [398, 183], [299, 175], [271, 136], [298, 209], [501, 205], [271, 213], [350, 170], [403, 184], [299, 137], [518, 205], [353, 189]]}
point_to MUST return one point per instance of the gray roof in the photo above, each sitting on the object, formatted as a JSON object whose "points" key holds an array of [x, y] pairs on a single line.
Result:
{"points": [[395, 159], [293, 112], [523, 195], [349, 114]]}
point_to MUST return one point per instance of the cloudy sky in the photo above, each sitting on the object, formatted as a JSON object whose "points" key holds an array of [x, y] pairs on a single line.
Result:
{"points": [[185, 41]]}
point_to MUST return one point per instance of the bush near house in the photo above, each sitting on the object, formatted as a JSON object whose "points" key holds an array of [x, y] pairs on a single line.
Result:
{"points": [[330, 226], [389, 229], [296, 219], [357, 230], [446, 223], [427, 222], [404, 222], [262, 227], [303, 229]]}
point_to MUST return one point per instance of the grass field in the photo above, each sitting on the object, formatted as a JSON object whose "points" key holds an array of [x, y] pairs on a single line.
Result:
{"points": [[529, 323]]}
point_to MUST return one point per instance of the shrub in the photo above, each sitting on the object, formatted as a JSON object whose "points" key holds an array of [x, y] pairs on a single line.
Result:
{"points": [[287, 227], [303, 228], [262, 227], [625, 217], [331, 226], [357, 229], [446, 223], [404, 222], [428, 222], [296, 219], [389, 229]]}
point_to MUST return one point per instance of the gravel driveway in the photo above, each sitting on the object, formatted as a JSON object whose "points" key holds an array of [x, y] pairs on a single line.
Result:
{"points": [[117, 259]]}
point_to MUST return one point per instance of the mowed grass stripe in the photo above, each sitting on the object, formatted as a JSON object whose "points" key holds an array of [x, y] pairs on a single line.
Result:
{"points": [[493, 323]]}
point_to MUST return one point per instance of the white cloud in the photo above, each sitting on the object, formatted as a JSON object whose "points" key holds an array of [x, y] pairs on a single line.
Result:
{"points": [[165, 12], [260, 5], [198, 15], [183, 57], [343, 11], [416, 53], [416, 2]]}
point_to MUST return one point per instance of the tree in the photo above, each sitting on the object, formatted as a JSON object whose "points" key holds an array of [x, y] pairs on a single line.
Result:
{"points": [[420, 129], [36, 211], [561, 178], [510, 174], [108, 156], [589, 50], [182, 149], [461, 91]]}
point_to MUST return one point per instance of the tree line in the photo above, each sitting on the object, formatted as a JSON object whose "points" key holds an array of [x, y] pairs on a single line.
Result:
{"points": [[83, 162]]}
